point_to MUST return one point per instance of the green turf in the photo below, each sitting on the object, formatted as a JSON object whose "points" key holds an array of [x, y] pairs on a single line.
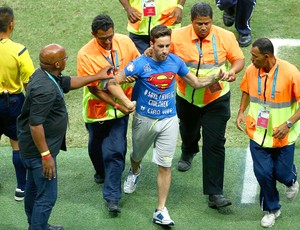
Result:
{"points": [[80, 205]]}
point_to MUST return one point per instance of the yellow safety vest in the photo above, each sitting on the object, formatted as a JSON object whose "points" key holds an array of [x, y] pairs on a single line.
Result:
{"points": [[163, 11]]}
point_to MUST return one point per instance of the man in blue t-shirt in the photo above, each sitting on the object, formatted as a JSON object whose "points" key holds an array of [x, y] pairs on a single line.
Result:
{"points": [[155, 121]]}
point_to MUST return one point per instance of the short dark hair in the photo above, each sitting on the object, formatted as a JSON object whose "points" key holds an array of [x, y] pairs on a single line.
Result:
{"points": [[201, 9], [159, 31], [102, 22], [6, 17], [264, 45]]}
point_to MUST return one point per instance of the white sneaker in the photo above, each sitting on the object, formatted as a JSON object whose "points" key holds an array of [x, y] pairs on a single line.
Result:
{"points": [[162, 217], [291, 192], [269, 219], [19, 194], [131, 181]]}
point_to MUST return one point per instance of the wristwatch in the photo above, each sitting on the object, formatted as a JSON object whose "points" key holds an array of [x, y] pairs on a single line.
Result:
{"points": [[289, 124]]}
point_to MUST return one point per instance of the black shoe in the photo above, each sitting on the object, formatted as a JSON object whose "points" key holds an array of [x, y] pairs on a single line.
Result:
{"points": [[218, 201], [184, 166], [113, 206], [229, 16], [54, 227], [99, 179], [245, 40], [185, 163]]}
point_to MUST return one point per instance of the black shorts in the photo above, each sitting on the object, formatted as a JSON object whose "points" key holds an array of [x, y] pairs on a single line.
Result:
{"points": [[10, 109]]}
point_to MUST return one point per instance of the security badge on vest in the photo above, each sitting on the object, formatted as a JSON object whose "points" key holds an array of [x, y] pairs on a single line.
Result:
{"points": [[149, 8], [263, 118]]}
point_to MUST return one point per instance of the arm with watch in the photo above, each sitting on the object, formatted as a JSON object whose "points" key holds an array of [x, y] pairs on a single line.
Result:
{"points": [[283, 129]]}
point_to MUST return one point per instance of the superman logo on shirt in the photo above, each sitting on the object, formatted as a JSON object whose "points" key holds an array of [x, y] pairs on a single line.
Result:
{"points": [[162, 80]]}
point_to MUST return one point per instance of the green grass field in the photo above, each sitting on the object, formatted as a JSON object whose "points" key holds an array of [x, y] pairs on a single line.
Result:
{"points": [[80, 205]]}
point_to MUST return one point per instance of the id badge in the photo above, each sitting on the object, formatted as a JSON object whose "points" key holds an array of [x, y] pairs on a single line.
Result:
{"points": [[263, 118], [149, 8], [215, 87]]}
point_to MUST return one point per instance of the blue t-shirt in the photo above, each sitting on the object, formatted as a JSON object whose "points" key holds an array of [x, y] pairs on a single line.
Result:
{"points": [[154, 90]]}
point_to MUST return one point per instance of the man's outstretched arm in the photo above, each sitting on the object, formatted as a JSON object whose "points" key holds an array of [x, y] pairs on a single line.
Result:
{"points": [[115, 89]]}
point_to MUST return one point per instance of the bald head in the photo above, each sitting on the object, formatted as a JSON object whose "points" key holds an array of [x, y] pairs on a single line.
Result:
{"points": [[51, 55]]}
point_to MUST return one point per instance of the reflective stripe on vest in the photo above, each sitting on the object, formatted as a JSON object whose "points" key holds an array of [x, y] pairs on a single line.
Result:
{"points": [[280, 112], [203, 96], [278, 116]]}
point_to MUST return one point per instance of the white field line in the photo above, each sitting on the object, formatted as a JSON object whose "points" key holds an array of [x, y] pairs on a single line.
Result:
{"points": [[277, 42], [250, 183]]}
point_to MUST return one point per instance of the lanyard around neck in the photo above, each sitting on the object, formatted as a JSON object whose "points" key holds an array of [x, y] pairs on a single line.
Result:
{"points": [[274, 82], [214, 47], [111, 61], [50, 76]]}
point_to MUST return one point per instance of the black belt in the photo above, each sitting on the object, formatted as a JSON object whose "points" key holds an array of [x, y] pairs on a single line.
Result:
{"points": [[4, 94]]}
